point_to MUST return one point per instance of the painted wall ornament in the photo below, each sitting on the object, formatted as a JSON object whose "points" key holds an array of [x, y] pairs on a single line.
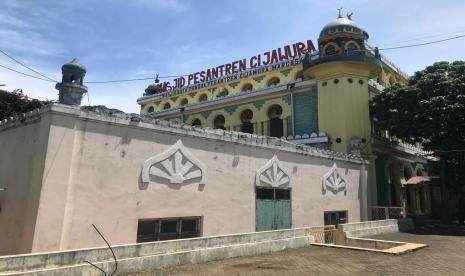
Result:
{"points": [[333, 180], [273, 174], [177, 165]]}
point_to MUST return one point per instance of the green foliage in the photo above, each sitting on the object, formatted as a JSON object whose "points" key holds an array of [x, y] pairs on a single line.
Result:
{"points": [[430, 110], [15, 103], [100, 109]]}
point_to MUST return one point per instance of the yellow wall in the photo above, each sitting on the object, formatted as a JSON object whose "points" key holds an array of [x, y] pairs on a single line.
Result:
{"points": [[343, 107], [279, 73]]}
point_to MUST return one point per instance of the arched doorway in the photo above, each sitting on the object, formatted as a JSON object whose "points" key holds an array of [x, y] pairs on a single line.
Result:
{"points": [[246, 118], [276, 123], [218, 122], [196, 122]]}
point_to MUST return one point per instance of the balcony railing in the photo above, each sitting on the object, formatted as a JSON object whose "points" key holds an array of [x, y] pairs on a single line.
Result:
{"points": [[359, 55], [384, 212], [326, 234]]}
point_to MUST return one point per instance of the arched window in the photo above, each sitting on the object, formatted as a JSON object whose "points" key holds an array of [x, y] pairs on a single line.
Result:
{"points": [[196, 122], [203, 97], [247, 87], [223, 92], [73, 79], [351, 47], [330, 50], [167, 106], [274, 81], [151, 109], [246, 118], [299, 75], [184, 102], [218, 123], [276, 123]]}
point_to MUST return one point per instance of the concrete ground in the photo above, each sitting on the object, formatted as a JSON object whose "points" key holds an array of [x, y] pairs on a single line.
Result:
{"points": [[444, 256]]}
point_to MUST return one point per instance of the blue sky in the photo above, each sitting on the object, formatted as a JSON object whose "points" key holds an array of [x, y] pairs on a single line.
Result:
{"points": [[122, 39]]}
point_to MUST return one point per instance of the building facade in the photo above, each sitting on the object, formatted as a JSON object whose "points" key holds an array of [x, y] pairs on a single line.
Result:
{"points": [[313, 97]]}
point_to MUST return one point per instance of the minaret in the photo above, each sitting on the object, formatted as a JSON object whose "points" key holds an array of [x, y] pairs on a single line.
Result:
{"points": [[342, 70], [71, 86]]}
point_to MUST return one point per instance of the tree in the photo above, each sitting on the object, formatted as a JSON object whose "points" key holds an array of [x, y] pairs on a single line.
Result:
{"points": [[15, 103], [431, 110]]}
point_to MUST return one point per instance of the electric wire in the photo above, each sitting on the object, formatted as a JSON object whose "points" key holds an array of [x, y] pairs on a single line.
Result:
{"points": [[423, 37], [421, 44], [22, 64], [25, 74], [138, 79]]}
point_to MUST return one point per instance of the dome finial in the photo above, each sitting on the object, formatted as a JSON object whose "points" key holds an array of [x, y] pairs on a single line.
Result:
{"points": [[339, 16]]}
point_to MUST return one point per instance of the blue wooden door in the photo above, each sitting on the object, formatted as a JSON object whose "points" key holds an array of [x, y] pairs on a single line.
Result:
{"points": [[265, 215], [273, 209], [282, 214]]}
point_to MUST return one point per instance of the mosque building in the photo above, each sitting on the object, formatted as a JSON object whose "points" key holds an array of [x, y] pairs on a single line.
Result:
{"points": [[281, 140], [307, 96]]}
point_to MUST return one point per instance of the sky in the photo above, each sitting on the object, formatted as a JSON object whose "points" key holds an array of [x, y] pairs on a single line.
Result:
{"points": [[120, 39]]}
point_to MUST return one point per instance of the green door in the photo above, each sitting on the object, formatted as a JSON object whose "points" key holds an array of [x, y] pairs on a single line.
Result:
{"points": [[282, 214], [273, 209], [265, 215]]}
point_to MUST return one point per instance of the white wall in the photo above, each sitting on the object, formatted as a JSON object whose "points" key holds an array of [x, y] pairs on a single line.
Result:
{"points": [[22, 155], [93, 169]]}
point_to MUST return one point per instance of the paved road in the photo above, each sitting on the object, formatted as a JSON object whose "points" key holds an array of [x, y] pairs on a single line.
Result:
{"points": [[444, 256]]}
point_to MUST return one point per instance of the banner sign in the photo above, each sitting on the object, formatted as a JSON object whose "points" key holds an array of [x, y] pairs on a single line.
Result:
{"points": [[287, 55]]}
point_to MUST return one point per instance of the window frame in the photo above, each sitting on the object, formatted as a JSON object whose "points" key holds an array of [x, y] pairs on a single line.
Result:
{"points": [[179, 234]]}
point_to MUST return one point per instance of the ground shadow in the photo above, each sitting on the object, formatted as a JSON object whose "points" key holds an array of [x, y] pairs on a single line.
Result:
{"points": [[435, 227]]}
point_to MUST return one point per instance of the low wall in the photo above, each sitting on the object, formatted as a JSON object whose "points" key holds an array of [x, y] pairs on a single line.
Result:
{"points": [[376, 227], [146, 256], [370, 243]]}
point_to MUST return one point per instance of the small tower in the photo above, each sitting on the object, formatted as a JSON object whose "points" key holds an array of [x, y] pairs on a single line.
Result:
{"points": [[71, 87], [342, 70]]}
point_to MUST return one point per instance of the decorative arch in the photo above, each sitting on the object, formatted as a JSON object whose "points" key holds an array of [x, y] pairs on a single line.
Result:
{"points": [[351, 42], [177, 165], [273, 174], [247, 87], [166, 105], [272, 81], [183, 102], [237, 113], [222, 92], [214, 114], [219, 122], [197, 117], [151, 109], [333, 180], [202, 97], [263, 116], [336, 48]]}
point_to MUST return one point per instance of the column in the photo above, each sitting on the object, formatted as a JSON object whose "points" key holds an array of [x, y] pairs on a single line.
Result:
{"points": [[285, 126]]}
